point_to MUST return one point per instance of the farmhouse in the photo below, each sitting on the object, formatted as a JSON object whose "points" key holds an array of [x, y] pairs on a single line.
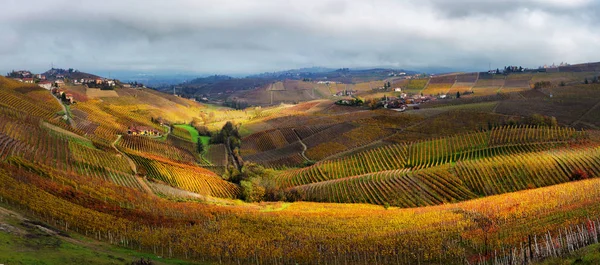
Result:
{"points": [[70, 98], [28, 80], [45, 84], [142, 130]]}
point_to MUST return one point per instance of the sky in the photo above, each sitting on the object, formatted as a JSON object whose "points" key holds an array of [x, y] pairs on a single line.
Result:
{"points": [[254, 36]]}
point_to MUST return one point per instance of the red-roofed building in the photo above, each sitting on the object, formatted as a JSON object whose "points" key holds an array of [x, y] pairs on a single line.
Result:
{"points": [[142, 130], [45, 84]]}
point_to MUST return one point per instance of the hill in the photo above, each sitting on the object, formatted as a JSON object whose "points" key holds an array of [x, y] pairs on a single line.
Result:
{"points": [[57, 73], [478, 178], [221, 87]]}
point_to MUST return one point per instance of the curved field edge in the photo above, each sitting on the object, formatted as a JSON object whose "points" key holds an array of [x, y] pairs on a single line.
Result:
{"points": [[460, 181], [448, 233], [425, 154]]}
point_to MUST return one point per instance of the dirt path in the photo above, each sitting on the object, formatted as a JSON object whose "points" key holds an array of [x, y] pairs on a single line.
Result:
{"points": [[65, 132], [69, 120], [133, 167], [131, 163], [303, 145]]}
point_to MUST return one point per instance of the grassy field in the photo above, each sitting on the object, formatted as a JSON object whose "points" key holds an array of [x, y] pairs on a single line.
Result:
{"points": [[24, 241], [193, 132]]}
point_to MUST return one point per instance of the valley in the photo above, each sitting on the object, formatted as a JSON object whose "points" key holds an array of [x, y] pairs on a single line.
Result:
{"points": [[490, 171]]}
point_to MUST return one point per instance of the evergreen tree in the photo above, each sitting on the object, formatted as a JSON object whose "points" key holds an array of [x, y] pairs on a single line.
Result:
{"points": [[457, 94], [586, 81]]}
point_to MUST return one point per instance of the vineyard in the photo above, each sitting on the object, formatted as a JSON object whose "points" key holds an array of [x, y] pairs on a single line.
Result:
{"points": [[416, 85], [439, 85], [452, 182], [421, 155], [136, 144], [449, 233], [517, 81], [467, 179], [185, 132], [186, 177]]}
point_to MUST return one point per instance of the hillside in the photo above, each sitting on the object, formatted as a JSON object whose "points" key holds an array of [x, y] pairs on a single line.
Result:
{"points": [[483, 177], [57, 73], [252, 88]]}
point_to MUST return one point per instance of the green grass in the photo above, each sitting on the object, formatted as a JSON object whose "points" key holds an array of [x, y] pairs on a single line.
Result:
{"points": [[589, 255], [191, 129], [205, 140], [23, 242]]}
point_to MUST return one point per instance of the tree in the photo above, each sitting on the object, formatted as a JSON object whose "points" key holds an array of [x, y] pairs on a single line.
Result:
{"points": [[389, 84], [252, 191], [595, 80], [457, 94], [63, 96], [586, 81]]}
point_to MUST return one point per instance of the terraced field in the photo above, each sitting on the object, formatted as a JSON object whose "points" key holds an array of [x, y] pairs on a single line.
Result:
{"points": [[426, 154], [468, 179], [516, 82], [464, 83], [439, 85], [415, 86]]}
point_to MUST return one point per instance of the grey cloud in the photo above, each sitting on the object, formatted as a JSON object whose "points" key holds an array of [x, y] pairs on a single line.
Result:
{"points": [[265, 35]]}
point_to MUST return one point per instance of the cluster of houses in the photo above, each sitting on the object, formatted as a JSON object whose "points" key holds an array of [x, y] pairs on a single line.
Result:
{"points": [[68, 97], [562, 64], [94, 81], [397, 74], [57, 80], [345, 93], [142, 131], [402, 102], [326, 82], [25, 76]]}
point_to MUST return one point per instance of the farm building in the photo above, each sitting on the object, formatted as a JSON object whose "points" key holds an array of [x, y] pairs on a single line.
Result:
{"points": [[142, 130], [45, 84]]}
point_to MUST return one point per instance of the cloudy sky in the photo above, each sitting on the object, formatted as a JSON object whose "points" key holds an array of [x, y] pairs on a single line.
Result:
{"points": [[253, 36]]}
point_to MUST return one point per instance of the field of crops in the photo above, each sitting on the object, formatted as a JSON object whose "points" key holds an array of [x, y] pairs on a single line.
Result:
{"points": [[467, 78], [288, 156], [420, 155], [263, 141], [460, 87], [518, 81], [185, 132], [439, 85], [217, 154], [467, 179], [415, 86], [145, 145], [186, 177], [492, 191]]}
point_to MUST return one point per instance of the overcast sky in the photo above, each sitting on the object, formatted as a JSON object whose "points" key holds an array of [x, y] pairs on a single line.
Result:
{"points": [[253, 36]]}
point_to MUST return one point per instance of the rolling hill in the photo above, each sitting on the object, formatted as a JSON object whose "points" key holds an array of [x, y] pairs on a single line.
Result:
{"points": [[480, 178]]}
